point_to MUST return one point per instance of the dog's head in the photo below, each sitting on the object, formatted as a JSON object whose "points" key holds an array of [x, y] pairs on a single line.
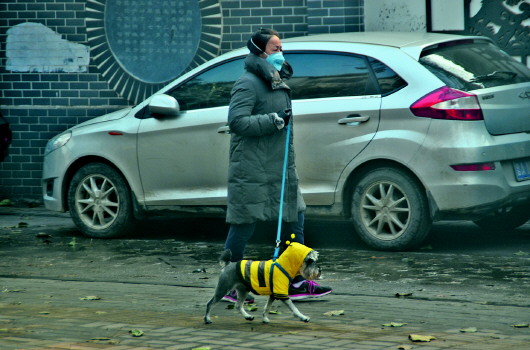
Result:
{"points": [[309, 269]]}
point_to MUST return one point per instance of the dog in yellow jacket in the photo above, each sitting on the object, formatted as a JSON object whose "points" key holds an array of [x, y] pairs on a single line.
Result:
{"points": [[271, 277]]}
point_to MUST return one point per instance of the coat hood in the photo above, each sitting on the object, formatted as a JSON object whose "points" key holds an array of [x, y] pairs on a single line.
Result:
{"points": [[266, 71], [293, 257]]}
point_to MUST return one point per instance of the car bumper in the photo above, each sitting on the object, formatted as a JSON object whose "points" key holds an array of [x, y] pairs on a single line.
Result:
{"points": [[456, 194], [472, 201], [52, 181]]}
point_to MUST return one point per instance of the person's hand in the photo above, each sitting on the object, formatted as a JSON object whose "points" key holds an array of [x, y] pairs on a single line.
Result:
{"points": [[285, 114], [278, 121]]}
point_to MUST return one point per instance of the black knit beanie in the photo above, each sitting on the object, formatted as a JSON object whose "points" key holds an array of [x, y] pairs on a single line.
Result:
{"points": [[257, 43]]}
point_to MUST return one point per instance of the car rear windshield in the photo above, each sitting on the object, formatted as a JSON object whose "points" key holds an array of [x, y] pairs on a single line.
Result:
{"points": [[473, 64]]}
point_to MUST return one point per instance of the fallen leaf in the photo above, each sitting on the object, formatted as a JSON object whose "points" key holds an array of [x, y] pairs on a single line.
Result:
{"points": [[44, 313], [104, 340], [42, 235], [521, 325], [421, 338], [5, 203], [521, 253], [394, 324], [334, 313], [101, 312], [469, 330], [136, 332], [403, 295], [252, 308], [22, 224], [12, 330], [90, 297]]}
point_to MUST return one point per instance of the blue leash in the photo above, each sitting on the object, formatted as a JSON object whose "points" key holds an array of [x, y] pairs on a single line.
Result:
{"points": [[284, 175]]}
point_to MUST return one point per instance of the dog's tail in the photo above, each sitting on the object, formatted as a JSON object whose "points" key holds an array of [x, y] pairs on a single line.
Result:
{"points": [[225, 257]]}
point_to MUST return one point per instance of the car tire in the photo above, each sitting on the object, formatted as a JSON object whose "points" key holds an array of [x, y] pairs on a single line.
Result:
{"points": [[506, 219], [390, 210], [100, 202]]}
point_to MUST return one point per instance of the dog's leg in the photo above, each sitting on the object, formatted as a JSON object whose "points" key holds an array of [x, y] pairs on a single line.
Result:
{"points": [[212, 302], [219, 294], [295, 310], [267, 309], [221, 290], [240, 305]]}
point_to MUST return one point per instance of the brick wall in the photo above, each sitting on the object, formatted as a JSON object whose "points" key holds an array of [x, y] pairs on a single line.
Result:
{"points": [[334, 16], [40, 99]]}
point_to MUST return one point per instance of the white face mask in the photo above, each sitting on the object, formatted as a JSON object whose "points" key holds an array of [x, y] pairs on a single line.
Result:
{"points": [[276, 59]]}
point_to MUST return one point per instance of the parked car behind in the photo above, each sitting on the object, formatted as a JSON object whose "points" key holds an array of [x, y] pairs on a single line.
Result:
{"points": [[393, 131], [6, 136]]}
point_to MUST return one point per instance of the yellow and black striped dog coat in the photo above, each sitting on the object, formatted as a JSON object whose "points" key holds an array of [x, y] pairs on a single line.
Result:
{"points": [[273, 277]]}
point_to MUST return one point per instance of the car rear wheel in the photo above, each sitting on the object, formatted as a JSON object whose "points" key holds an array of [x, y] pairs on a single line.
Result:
{"points": [[100, 202], [390, 210], [505, 219]]}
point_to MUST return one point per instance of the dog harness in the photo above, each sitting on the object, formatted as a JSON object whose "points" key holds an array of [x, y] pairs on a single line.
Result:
{"points": [[273, 277]]}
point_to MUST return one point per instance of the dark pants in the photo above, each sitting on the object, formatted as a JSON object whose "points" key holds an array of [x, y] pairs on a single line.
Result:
{"points": [[240, 234]]}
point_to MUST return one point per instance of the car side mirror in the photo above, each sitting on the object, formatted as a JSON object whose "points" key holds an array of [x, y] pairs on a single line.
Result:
{"points": [[163, 105]]}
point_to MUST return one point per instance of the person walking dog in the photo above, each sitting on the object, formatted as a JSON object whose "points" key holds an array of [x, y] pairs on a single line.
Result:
{"points": [[259, 113]]}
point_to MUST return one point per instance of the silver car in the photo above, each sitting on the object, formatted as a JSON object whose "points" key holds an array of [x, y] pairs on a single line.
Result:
{"points": [[392, 130]]}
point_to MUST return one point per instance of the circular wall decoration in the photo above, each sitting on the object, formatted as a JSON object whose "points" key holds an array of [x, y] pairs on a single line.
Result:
{"points": [[140, 45]]}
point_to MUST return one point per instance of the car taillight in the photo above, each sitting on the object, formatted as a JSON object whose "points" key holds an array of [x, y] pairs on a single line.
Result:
{"points": [[474, 167], [447, 103]]}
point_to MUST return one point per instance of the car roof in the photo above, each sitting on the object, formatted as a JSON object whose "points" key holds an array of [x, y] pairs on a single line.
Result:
{"points": [[395, 39], [411, 42]]}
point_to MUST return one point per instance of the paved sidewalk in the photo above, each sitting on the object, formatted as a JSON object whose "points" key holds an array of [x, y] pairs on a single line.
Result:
{"points": [[49, 314]]}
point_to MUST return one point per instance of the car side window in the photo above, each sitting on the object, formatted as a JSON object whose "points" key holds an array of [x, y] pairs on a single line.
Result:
{"points": [[388, 80], [209, 89], [321, 75]]}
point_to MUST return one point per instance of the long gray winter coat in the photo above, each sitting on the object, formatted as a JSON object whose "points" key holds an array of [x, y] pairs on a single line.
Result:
{"points": [[257, 147]]}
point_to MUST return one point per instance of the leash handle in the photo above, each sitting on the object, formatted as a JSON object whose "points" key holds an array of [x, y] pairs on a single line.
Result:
{"points": [[284, 175]]}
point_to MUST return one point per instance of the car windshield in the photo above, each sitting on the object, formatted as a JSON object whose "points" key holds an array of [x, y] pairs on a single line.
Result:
{"points": [[469, 65]]}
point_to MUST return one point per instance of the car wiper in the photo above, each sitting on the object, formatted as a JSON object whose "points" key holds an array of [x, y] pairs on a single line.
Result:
{"points": [[497, 75]]}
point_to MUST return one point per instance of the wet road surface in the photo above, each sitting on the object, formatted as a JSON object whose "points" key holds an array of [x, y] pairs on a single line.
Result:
{"points": [[460, 277]]}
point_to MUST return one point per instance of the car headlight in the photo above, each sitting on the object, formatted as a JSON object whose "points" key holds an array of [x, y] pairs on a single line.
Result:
{"points": [[57, 142]]}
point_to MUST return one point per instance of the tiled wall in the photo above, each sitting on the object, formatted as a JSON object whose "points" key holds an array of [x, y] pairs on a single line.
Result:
{"points": [[41, 100]]}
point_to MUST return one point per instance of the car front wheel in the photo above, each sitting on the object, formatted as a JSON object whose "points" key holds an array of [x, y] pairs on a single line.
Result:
{"points": [[390, 210], [99, 201]]}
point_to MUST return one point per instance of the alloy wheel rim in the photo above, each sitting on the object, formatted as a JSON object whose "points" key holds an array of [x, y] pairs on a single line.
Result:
{"points": [[385, 211], [97, 202]]}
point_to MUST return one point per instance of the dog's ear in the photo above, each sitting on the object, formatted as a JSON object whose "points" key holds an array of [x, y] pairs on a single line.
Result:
{"points": [[225, 257], [313, 256]]}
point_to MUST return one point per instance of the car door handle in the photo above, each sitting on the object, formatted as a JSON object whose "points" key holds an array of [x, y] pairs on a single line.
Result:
{"points": [[224, 130], [354, 118]]}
